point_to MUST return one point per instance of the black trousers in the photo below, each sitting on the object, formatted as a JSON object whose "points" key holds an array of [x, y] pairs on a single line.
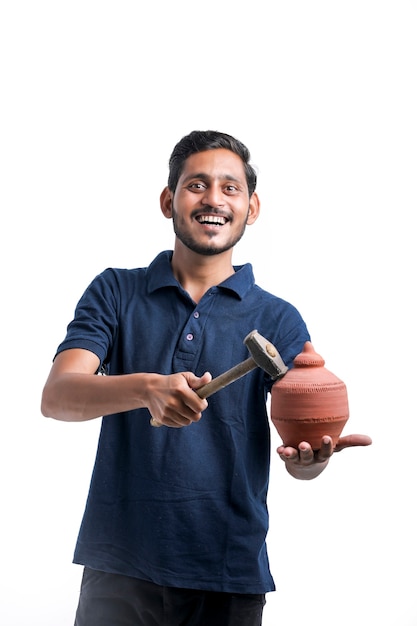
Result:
{"points": [[115, 600]]}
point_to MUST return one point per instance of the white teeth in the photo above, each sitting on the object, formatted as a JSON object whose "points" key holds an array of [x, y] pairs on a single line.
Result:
{"points": [[212, 219]]}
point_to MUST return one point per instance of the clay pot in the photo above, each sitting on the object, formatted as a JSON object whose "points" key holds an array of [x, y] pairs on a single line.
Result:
{"points": [[309, 402]]}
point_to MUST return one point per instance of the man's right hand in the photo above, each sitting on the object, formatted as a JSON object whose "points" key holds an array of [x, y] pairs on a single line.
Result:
{"points": [[172, 400]]}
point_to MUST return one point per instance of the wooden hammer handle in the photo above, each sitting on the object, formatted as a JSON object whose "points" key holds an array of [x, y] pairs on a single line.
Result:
{"points": [[226, 378]]}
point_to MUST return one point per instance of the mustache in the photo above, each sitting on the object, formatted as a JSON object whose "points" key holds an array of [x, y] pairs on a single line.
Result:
{"points": [[207, 209]]}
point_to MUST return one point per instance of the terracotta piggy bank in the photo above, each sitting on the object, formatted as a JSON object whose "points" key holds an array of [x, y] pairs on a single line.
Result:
{"points": [[309, 402]]}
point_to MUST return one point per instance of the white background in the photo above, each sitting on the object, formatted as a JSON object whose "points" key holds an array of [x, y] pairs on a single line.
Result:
{"points": [[94, 95]]}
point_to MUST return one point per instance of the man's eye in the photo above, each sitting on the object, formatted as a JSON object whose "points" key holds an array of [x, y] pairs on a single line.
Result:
{"points": [[231, 188], [196, 186]]}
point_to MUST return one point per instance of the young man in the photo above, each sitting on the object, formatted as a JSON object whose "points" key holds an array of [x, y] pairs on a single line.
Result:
{"points": [[175, 522]]}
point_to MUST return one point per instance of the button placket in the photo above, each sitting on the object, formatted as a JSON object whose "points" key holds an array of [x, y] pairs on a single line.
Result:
{"points": [[190, 344]]}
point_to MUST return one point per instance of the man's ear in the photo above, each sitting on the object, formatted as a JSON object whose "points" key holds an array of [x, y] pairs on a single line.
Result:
{"points": [[165, 201], [254, 208]]}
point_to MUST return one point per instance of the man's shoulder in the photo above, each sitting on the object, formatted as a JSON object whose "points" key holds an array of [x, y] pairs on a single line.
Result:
{"points": [[269, 296], [122, 275]]}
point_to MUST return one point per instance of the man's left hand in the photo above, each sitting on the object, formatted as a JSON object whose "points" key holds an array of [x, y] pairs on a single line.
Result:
{"points": [[305, 463]]}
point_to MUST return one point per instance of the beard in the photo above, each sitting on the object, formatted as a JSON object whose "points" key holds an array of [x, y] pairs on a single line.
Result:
{"points": [[205, 249]]}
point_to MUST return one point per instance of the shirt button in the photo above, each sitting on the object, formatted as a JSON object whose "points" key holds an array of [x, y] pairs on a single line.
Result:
{"points": [[196, 314], [190, 337]]}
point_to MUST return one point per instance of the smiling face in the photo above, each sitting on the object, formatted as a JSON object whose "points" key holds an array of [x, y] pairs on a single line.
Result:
{"points": [[210, 207]]}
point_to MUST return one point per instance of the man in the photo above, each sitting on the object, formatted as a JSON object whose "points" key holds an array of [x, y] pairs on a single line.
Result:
{"points": [[175, 522]]}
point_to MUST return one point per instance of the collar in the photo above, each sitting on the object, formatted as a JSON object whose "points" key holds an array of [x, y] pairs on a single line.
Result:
{"points": [[159, 275]]}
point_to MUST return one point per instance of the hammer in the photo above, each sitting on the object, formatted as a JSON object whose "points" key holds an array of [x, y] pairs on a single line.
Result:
{"points": [[263, 354]]}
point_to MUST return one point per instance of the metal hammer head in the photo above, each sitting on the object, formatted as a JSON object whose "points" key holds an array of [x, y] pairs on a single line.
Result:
{"points": [[265, 355]]}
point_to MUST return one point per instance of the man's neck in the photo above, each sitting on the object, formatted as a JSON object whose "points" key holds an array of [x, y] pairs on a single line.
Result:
{"points": [[197, 273]]}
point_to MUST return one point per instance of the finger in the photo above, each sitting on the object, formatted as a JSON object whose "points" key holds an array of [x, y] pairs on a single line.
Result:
{"points": [[287, 453], [306, 453], [350, 441], [180, 424], [178, 413], [170, 423], [184, 407], [326, 449]]}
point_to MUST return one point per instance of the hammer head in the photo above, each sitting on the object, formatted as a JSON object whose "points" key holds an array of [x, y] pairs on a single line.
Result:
{"points": [[265, 355]]}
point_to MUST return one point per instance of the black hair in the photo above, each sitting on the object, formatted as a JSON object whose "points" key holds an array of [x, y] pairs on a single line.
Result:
{"points": [[202, 140]]}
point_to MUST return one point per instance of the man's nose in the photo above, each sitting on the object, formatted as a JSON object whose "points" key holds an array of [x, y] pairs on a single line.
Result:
{"points": [[213, 196]]}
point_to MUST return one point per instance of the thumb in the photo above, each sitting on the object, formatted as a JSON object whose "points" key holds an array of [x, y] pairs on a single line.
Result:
{"points": [[195, 382], [200, 381], [203, 380], [350, 441]]}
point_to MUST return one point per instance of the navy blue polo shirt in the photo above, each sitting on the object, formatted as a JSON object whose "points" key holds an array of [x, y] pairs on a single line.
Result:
{"points": [[182, 507]]}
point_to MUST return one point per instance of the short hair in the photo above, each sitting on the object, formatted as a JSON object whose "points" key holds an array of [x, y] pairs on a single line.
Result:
{"points": [[202, 140]]}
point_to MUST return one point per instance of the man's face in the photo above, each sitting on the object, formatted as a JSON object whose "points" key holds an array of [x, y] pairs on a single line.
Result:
{"points": [[211, 207]]}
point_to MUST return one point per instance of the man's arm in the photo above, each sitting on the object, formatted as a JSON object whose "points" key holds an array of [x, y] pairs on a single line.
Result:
{"points": [[73, 392]]}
